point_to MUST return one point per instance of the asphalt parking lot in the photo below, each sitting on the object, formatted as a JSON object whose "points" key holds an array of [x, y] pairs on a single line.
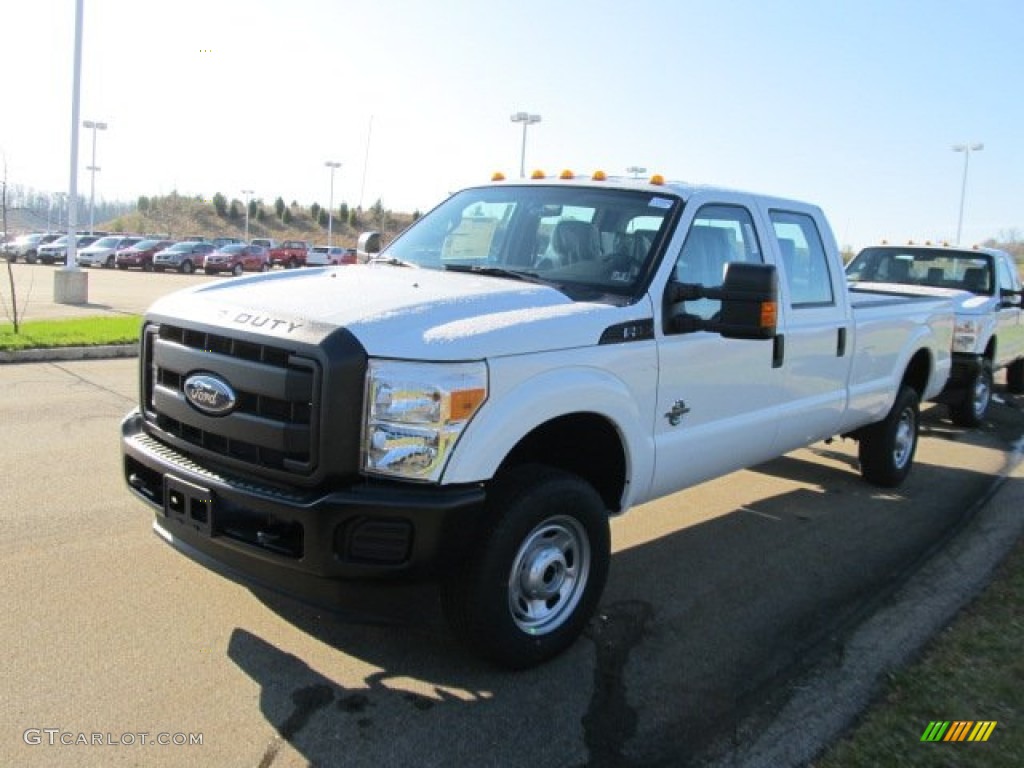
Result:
{"points": [[737, 613]]}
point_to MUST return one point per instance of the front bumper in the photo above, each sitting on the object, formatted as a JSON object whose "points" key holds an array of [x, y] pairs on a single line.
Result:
{"points": [[308, 544]]}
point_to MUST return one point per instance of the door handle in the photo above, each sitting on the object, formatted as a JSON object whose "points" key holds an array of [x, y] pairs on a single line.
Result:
{"points": [[676, 413]]}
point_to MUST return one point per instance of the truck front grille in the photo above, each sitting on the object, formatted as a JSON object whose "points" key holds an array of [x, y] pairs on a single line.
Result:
{"points": [[273, 424]]}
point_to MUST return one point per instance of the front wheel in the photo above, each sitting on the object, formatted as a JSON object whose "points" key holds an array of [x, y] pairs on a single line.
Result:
{"points": [[236, 270], [887, 448], [537, 571], [1015, 377], [187, 268], [970, 411]]}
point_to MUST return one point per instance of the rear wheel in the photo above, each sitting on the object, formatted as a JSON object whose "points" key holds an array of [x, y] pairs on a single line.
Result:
{"points": [[970, 411], [887, 448], [1015, 377], [537, 570]]}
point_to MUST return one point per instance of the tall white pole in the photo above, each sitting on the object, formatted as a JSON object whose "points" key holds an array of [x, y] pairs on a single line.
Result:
{"points": [[330, 206], [966, 149], [71, 261]]}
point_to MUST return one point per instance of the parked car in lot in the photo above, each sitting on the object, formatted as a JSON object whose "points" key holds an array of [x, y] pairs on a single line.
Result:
{"points": [[237, 258], [989, 330], [101, 253], [219, 241], [141, 254], [324, 256], [186, 257], [267, 242], [57, 251], [27, 246], [290, 254]]}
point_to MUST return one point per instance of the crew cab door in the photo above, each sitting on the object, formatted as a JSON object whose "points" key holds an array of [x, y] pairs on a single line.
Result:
{"points": [[718, 398], [816, 350]]}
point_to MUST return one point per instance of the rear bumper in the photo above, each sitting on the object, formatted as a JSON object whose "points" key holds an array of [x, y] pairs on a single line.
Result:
{"points": [[308, 544]]}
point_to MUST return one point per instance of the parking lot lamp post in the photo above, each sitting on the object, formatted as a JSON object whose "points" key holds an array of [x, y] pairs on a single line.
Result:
{"points": [[247, 193], [966, 149], [96, 126], [330, 204], [526, 119]]}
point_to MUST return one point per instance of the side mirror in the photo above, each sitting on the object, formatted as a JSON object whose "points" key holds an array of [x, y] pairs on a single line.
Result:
{"points": [[1011, 298], [750, 301], [368, 245]]}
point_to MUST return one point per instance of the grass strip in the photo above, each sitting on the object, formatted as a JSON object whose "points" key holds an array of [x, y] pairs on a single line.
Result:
{"points": [[973, 671], [74, 332]]}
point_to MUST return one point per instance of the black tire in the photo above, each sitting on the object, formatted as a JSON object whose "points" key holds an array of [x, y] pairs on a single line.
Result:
{"points": [[292, 263], [887, 448], [264, 267], [110, 262], [537, 571], [237, 270], [187, 267], [1015, 377], [122, 266], [147, 266], [971, 409]]}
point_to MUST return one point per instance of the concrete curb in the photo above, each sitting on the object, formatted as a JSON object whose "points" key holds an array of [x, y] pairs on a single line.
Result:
{"points": [[70, 353]]}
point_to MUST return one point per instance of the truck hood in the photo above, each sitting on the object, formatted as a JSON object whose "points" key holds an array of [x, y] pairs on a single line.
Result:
{"points": [[400, 312], [964, 302]]}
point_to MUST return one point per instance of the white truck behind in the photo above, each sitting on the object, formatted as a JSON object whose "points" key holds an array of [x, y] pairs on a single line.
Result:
{"points": [[525, 361], [988, 334]]}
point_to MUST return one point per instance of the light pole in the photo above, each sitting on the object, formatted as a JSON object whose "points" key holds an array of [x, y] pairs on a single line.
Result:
{"points": [[96, 126], [966, 149], [330, 206], [247, 192], [636, 170], [526, 119]]}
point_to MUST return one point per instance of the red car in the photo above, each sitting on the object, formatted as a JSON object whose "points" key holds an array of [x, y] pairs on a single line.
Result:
{"points": [[237, 258], [141, 254]]}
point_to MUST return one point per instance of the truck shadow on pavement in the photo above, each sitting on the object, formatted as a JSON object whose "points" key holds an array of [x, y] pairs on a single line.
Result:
{"points": [[698, 629]]}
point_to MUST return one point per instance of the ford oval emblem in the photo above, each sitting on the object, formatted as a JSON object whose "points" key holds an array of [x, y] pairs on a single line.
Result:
{"points": [[210, 394]]}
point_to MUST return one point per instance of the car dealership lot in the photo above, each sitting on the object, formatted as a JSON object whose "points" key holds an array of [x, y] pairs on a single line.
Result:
{"points": [[714, 595]]}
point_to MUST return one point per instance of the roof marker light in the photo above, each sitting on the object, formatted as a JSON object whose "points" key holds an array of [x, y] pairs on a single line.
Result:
{"points": [[537, 174], [497, 176], [657, 179], [566, 174], [600, 176]]}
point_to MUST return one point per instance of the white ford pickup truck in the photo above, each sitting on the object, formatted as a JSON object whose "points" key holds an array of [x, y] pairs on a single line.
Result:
{"points": [[989, 331], [525, 361]]}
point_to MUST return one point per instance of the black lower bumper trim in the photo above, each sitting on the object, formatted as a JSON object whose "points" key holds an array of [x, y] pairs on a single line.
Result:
{"points": [[304, 543]]}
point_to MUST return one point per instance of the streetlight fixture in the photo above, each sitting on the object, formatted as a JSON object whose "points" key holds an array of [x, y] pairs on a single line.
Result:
{"points": [[526, 119], [966, 149], [330, 207], [247, 193], [96, 126], [636, 170]]}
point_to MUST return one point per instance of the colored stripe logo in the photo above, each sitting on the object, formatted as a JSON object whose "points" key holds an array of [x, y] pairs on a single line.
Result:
{"points": [[958, 730]]}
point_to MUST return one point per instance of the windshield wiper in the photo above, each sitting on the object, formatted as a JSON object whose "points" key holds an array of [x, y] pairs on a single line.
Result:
{"points": [[393, 261], [531, 277]]}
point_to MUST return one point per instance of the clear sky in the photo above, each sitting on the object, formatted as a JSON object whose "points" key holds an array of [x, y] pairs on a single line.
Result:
{"points": [[851, 105]]}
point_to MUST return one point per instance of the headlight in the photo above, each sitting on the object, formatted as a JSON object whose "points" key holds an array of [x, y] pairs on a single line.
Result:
{"points": [[965, 334], [414, 414]]}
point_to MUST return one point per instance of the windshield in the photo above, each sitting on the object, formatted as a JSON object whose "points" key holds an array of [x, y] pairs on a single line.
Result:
{"points": [[231, 248], [933, 267], [588, 241], [107, 242]]}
